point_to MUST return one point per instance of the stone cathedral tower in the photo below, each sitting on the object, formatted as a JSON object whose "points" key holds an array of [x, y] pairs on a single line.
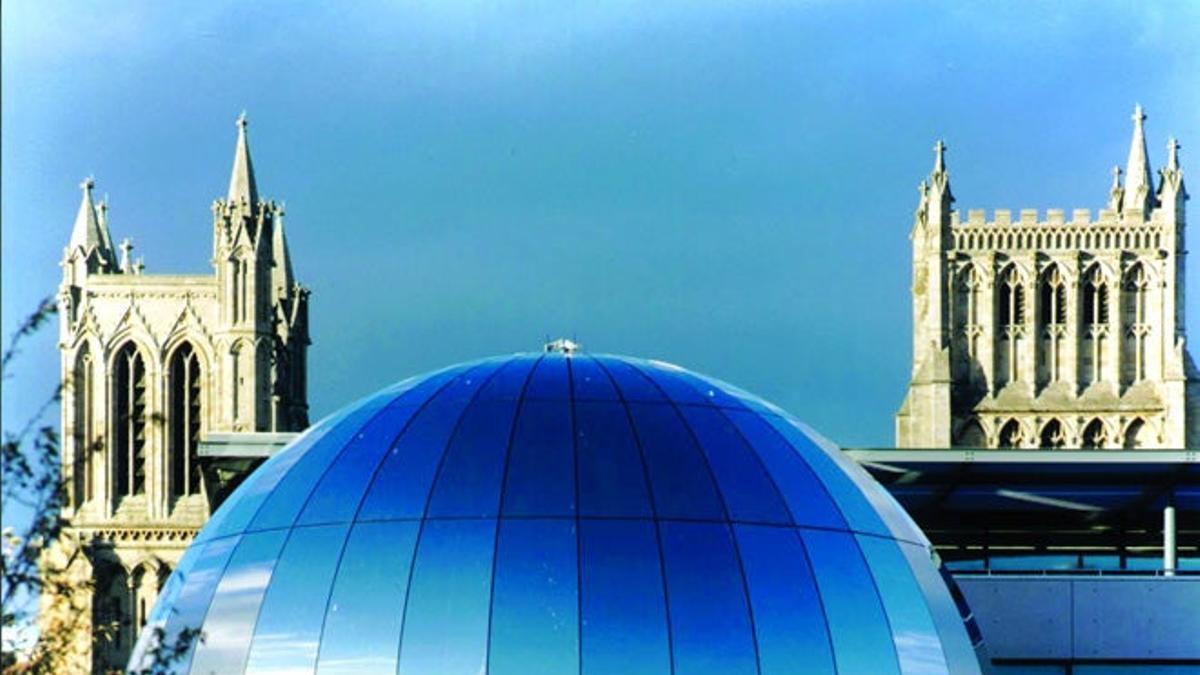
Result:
{"points": [[1055, 332], [151, 364]]}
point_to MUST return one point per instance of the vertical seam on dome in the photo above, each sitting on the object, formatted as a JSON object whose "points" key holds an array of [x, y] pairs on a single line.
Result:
{"points": [[772, 430], [662, 563], [263, 598], [816, 477], [437, 472], [753, 452], [288, 470], [350, 525], [412, 565], [725, 415], [812, 575], [879, 599], [578, 527], [737, 552], [512, 434], [204, 617], [337, 568]]}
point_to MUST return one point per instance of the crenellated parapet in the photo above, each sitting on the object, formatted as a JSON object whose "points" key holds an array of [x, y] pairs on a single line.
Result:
{"points": [[1052, 230]]}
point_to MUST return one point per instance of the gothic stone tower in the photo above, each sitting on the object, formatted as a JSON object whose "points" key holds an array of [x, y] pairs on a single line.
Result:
{"points": [[150, 365], [1057, 332]]}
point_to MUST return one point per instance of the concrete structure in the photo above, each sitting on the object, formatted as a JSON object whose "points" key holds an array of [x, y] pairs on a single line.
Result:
{"points": [[1054, 331], [151, 366], [1071, 561]]}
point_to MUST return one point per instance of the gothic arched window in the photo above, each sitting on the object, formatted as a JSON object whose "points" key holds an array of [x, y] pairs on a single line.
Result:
{"points": [[968, 288], [1136, 287], [144, 586], [1135, 435], [185, 391], [111, 613], [1010, 435], [1011, 303], [239, 357], [1095, 435], [83, 392], [129, 416], [1053, 298], [1095, 325], [1052, 324], [1052, 435], [1010, 321], [1095, 298]]}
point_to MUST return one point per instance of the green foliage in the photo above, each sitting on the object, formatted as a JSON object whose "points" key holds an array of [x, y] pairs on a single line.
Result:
{"points": [[35, 572]]}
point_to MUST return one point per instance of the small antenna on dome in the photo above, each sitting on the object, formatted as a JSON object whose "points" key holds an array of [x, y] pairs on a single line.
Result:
{"points": [[562, 346]]}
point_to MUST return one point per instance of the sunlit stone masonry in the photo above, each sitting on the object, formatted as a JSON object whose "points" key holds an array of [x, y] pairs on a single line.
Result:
{"points": [[1053, 330], [152, 364]]}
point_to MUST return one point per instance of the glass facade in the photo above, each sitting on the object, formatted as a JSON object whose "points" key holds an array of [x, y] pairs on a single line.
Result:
{"points": [[556, 513]]}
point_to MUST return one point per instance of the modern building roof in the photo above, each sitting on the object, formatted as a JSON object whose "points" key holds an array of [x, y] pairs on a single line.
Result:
{"points": [[1064, 499]]}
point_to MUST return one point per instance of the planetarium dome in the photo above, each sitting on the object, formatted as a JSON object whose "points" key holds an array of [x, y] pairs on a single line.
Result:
{"points": [[561, 513]]}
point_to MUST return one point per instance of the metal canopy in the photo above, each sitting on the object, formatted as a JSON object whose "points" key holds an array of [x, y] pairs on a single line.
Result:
{"points": [[1040, 500]]}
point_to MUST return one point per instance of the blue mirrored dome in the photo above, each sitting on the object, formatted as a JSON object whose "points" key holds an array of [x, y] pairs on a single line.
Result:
{"points": [[562, 513]]}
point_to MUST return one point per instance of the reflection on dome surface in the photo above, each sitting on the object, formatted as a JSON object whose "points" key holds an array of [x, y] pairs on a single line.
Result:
{"points": [[557, 513]]}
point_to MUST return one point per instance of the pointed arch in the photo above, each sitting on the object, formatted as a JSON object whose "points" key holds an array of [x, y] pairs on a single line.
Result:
{"points": [[1136, 435], [145, 582], [1052, 296], [972, 435], [1053, 435], [1010, 303], [239, 352], [1136, 283], [1011, 435], [965, 318], [185, 387], [84, 440], [1051, 323], [1095, 435], [1095, 295], [129, 418], [110, 611], [1009, 334]]}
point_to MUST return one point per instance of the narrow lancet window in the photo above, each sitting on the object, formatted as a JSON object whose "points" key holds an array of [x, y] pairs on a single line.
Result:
{"points": [[129, 413], [1136, 328], [83, 383], [235, 384], [1010, 321], [1052, 325], [184, 421], [1095, 326]]}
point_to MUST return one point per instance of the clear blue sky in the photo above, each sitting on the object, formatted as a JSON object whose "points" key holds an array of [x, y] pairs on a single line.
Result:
{"points": [[725, 185]]}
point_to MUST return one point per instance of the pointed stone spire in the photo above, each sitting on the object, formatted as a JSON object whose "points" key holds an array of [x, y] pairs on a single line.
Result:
{"points": [[1171, 191], [89, 231], [939, 180], [1138, 188], [102, 213], [281, 272], [1116, 192], [1172, 154], [126, 261], [241, 181]]}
